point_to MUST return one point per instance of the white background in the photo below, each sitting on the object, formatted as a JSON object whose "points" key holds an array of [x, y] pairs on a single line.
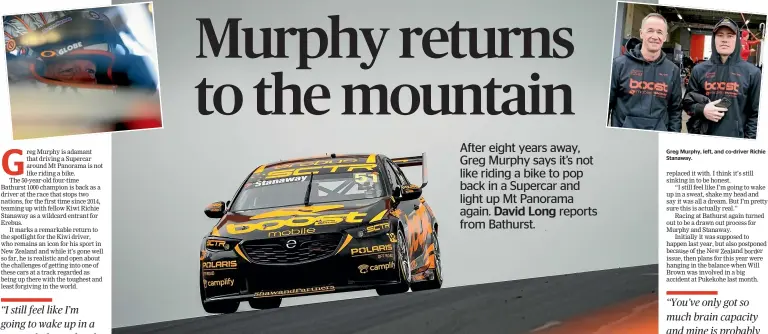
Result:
{"points": [[94, 300], [685, 141]]}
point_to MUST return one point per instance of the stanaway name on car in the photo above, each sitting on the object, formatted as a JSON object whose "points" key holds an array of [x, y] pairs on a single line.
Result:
{"points": [[294, 292], [279, 181]]}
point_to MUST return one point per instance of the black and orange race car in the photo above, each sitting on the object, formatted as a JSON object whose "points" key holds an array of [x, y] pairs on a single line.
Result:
{"points": [[320, 225]]}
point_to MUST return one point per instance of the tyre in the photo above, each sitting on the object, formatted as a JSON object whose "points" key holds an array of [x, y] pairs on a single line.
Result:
{"points": [[404, 268], [437, 280], [265, 303], [217, 307]]}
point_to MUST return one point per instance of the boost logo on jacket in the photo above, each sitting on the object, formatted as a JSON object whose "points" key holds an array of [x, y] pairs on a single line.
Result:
{"points": [[659, 89], [721, 88]]}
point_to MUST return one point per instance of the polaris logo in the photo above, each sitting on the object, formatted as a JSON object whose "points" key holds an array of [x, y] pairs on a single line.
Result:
{"points": [[371, 250], [279, 181]]}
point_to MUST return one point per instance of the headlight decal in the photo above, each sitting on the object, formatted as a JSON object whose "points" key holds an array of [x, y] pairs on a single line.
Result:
{"points": [[379, 216], [344, 245], [240, 252]]}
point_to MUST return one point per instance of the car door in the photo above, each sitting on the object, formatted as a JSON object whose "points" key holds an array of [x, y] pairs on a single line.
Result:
{"points": [[400, 209], [419, 225], [405, 209]]}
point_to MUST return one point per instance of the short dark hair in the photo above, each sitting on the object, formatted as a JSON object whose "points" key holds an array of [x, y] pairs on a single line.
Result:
{"points": [[657, 15]]}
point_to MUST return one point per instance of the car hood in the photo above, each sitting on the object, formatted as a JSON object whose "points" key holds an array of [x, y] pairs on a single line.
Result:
{"points": [[290, 220]]}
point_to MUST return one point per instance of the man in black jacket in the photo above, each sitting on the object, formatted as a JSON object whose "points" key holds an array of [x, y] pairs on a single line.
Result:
{"points": [[646, 89], [725, 75]]}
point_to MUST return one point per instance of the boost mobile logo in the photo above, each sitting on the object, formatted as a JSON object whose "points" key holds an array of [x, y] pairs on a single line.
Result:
{"points": [[291, 232], [721, 86], [639, 85], [275, 224]]}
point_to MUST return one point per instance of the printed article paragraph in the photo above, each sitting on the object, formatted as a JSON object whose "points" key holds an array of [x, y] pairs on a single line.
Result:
{"points": [[712, 240], [514, 185], [51, 239], [712, 245]]}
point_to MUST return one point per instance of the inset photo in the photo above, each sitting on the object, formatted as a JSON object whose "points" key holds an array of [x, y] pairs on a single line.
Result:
{"points": [[82, 71], [687, 70]]}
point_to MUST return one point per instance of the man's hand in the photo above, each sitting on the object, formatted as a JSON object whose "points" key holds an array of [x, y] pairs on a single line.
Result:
{"points": [[713, 113]]}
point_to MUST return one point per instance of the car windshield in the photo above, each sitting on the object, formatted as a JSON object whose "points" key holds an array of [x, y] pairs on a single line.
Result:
{"points": [[261, 193]]}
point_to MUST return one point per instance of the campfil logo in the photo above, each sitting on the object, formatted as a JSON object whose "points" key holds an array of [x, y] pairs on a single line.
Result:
{"points": [[636, 73], [728, 88], [659, 89]]}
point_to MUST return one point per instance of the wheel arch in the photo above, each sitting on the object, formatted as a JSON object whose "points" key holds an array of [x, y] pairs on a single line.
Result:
{"points": [[401, 226]]}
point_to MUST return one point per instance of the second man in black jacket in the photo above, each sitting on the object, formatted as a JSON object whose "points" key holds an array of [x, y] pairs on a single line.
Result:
{"points": [[725, 75]]}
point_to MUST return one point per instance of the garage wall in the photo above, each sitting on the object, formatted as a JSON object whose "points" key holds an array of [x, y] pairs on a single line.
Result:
{"points": [[621, 13], [636, 13], [684, 39]]}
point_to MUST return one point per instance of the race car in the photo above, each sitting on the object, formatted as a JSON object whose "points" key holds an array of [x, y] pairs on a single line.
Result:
{"points": [[320, 225]]}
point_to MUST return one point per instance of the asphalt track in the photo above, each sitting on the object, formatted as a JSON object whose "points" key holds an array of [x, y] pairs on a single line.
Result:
{"points": [[506, 307]]}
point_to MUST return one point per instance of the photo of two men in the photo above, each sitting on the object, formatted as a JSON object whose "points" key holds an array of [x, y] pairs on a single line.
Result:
{"points": [[686, 70]]}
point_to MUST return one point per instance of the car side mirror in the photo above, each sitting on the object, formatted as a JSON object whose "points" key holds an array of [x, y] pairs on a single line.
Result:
{"points": [[396, 192], [410, 192], [215, 210]]}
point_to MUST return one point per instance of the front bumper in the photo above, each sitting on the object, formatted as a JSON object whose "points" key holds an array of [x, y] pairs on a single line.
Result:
{"points": [[315, 264]]}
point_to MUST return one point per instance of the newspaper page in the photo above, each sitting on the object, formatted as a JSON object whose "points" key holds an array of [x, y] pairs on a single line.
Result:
{"points": [[387, 167]]}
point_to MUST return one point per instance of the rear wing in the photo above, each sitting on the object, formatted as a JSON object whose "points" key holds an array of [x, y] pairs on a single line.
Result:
{"points": [[420, 160]]}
